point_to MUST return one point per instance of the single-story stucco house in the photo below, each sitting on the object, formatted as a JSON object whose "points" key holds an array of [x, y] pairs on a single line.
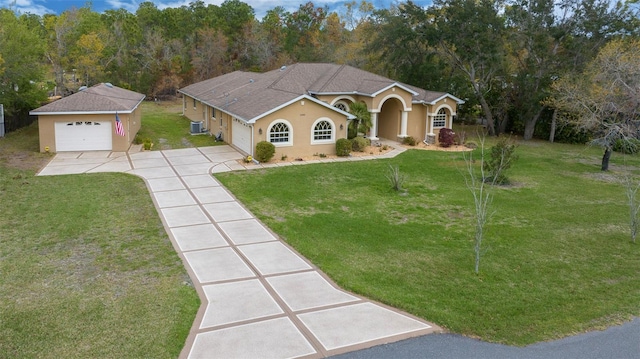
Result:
{"points": [[304, 108], [88, 120]]}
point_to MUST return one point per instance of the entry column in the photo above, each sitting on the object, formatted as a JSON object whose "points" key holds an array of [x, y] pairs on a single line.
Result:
{"points": [[403, 124], [373, 135]]}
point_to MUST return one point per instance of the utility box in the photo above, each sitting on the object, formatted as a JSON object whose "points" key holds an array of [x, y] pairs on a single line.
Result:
{"points": [[196, 127]]}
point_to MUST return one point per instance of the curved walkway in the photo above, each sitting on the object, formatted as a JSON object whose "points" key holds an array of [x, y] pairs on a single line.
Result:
{"points": [[259, 297]]}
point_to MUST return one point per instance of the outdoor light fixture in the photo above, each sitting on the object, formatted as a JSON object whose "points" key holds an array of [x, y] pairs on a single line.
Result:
{"points": [[260, 131], [341, 126]]}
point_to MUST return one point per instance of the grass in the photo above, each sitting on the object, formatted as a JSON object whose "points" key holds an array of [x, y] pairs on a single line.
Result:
{"points": [[164, 124], [86, 268], [558, 258]]}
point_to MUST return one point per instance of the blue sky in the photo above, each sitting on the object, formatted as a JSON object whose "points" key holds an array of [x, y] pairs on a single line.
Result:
{"points": [[42, 7]]}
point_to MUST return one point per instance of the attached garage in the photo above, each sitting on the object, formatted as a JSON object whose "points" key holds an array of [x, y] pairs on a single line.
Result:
{"points": [[241, 136], [83, 136], [89, 120]]}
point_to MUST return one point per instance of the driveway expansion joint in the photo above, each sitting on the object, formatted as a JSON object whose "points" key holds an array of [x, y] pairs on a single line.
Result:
{"points": [[260, 298]]}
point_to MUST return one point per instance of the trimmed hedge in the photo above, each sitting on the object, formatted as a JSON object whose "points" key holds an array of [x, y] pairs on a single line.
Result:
{"points": [[265, 151], [358, 144], [343, 147]]}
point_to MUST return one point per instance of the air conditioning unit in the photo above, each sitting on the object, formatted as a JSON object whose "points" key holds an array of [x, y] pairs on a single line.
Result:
{"points": [[196, 127]]}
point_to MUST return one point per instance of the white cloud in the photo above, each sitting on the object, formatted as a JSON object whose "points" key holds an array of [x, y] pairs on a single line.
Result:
{"points": [[26, 6]]}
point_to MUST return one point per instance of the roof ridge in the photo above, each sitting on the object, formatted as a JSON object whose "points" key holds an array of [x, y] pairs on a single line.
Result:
{"points": [[282, 69], [340, 67]]}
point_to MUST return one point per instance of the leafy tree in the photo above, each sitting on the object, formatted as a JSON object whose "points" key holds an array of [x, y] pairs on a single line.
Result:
{"points": [[303, 32], [605, 98], [474, 47], [357, 20], [269, 38], [209, 59], [123, 38], [362, 122], [88, 53], [21, 75]]}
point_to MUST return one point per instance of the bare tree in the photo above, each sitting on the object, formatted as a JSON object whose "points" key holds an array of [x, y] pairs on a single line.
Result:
{"points": [[605, 98], [481, 186]]}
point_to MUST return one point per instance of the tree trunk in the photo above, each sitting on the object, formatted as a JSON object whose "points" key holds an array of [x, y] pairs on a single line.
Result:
{"points": [[552, 132], [530, 125], [487, 113], [502, 125], [605, 159]]}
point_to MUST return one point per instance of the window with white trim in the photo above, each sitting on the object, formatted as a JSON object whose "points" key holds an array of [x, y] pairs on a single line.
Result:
{"points": [[341, 106], [279, 133], [440, 119], [323, 131]]}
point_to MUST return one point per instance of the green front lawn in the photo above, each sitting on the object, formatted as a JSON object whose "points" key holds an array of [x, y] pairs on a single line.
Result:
{"points": [[165, 126], [86, 267], [558, 257]]}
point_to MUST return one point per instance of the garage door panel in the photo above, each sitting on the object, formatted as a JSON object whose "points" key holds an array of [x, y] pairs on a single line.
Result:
{"points": [[241, 136], [83, 136]]}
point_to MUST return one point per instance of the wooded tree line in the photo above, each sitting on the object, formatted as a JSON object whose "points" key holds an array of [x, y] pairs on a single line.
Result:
{"points": [[501, 57]]}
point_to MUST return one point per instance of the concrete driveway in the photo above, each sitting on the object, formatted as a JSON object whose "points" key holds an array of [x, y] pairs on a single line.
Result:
{"points": [[260, 298]]}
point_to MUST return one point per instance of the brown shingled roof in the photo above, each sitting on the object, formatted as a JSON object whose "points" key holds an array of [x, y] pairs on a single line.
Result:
{"points": [[248, 95], [101, 98]]}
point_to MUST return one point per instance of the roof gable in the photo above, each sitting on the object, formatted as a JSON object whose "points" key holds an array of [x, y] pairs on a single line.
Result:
{"points": [[101, 98], [250, 95]]}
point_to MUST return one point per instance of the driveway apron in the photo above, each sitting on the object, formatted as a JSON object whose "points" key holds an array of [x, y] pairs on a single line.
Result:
{"points": [[260, 298]]}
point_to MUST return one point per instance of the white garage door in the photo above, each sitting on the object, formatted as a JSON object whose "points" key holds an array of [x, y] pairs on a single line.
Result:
{"points": [[83, 136], [241, 136]]}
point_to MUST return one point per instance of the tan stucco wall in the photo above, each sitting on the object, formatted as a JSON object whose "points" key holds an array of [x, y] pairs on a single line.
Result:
{"points": [[302, 118], [394, 92], [131, 123], [197, 113]]}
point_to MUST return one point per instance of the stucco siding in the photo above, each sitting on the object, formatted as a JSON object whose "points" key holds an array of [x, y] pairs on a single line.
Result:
{"points": [[302, 118], [130, 122]]}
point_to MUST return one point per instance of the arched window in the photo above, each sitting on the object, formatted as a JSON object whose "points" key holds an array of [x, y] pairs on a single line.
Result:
{"points": [[323, 131], [280, 133], [440, 119], [342, 106]]}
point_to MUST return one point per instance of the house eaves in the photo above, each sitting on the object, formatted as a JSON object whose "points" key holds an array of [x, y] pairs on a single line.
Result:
{"points": [[359, 93], [433, 102], [413, 93], [301, 97], [35, 113]]}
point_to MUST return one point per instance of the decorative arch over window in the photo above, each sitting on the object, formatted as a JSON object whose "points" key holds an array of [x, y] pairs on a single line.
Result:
{"points": [[440, 119], [342, 106], [280, 133], [323, 131]]}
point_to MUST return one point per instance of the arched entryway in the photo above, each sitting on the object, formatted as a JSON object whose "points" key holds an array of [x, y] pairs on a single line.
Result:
{"points": [[390, 118]]}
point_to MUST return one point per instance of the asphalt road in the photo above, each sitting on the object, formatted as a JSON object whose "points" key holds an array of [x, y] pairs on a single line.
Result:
{"points": [[619, 342]]}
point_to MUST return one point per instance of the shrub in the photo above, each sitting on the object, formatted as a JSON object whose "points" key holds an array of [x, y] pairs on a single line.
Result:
{"points": [[501, 157], [265, 151], [628, 146], [446, 137], [343, 147], [147, 144], [409, 141], [358, 144], [396, 179], [137, 140]]}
